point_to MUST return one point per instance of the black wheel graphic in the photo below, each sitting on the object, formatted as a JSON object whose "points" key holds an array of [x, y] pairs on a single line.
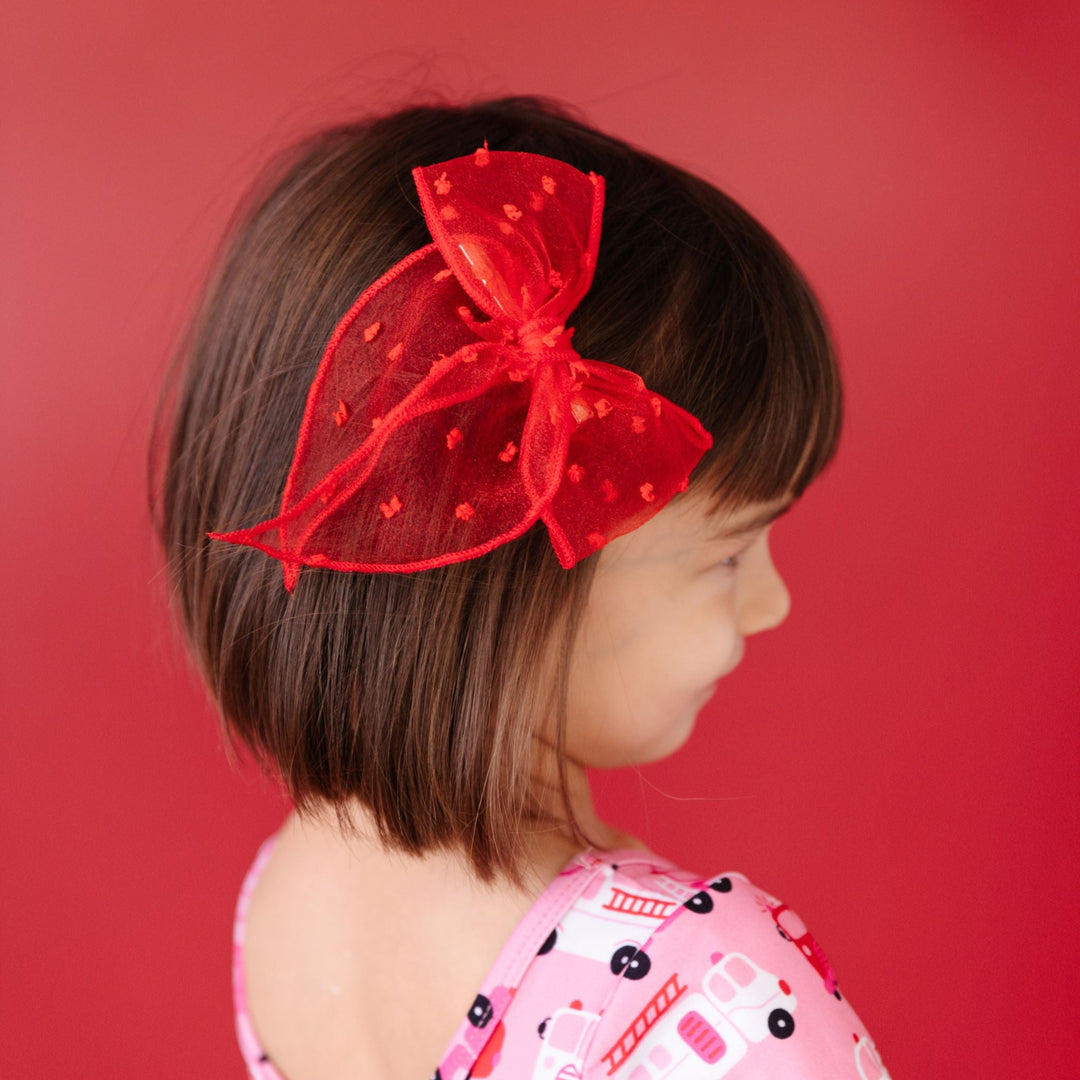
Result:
{"points": [[781, 1023], [780, 931], [481, 1012], [700, 902], [836, 993], [542, 1026], [549, 943], [631, 962], [721, 885]]}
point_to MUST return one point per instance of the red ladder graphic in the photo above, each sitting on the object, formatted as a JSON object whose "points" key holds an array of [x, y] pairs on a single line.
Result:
{"points": [[632, 904], [661, 1001]]}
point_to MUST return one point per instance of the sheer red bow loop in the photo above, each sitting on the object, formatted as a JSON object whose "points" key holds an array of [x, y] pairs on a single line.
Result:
{"points": [[450, 410]]}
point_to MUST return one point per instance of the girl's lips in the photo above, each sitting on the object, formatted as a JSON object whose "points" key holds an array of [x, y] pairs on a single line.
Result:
{"points": [[737, 655]]}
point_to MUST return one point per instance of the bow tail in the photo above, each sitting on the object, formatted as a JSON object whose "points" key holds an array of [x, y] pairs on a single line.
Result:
{"points": [[459, 467], [631, 450], [285, 536]]}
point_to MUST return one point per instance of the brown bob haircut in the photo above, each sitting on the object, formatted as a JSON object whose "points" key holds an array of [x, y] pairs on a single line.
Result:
{"points": [[418, 694]]}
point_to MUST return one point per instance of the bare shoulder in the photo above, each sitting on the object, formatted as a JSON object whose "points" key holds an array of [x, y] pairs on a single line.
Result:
{"points": [[296, 984], [339, 950]]}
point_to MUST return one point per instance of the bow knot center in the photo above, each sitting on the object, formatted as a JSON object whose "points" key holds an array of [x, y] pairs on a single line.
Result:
{"points": [[542, 334]]}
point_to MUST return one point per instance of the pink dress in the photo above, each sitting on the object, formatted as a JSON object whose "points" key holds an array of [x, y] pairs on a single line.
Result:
{"points": [[627, 966]]}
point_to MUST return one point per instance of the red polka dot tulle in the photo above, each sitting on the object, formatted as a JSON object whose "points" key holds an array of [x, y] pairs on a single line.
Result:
{"points": [[450, 410]]}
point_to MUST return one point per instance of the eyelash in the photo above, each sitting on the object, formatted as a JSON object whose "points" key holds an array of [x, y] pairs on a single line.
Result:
{"points": [[733, 561]]}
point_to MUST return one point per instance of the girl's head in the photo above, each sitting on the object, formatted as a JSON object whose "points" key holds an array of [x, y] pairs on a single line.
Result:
{"points": [[424, 696]]}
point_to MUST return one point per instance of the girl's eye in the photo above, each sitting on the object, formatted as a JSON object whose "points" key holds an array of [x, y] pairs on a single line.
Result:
{"points": [[733, 561]]}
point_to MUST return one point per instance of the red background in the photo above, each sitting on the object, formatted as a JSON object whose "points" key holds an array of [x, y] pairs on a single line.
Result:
{"points": [[898, 761]]}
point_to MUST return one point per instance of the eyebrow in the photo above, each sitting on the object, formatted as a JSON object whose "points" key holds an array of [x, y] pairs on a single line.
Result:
{"points": [[766, 517]]}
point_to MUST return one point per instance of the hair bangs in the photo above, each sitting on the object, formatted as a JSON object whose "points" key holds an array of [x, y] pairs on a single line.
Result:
{"points": [[744, 339]]}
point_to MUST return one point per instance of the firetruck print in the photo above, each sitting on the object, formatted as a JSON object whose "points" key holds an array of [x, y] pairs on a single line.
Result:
{"points": [[792, 928], [480, 1038], [739, 1003], [565, 1036], [868, 1061], [611, 924]]}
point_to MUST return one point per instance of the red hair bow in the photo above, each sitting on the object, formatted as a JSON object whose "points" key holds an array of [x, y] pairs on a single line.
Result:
{"points": [[450, 411]]}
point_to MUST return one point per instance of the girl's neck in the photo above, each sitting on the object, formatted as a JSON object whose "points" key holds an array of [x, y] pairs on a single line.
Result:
{"points": [[600, 833], [548, 849]]}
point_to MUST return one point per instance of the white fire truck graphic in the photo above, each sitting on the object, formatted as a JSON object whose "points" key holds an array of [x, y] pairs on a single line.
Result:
{"points": [[677, 1031], [566, 1036], [611, 924]]}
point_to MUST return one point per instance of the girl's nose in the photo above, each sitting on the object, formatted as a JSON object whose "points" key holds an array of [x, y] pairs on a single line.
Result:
{"points": [[768, 600]]}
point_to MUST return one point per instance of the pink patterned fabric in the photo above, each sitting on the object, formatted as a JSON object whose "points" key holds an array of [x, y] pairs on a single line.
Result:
{"points": [[627, 966]]}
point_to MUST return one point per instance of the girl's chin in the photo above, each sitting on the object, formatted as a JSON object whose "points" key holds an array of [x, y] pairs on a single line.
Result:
{"points": [[709, 691], [675, 738]]}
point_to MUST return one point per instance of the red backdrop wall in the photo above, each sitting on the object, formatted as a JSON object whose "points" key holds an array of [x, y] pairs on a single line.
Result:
{"points": [[898, 761]]}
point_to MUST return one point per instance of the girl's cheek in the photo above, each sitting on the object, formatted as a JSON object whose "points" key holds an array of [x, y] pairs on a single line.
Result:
{"points": [[703, 647]]}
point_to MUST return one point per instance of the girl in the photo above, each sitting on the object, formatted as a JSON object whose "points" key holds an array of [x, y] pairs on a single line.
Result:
{"points": [[550, 391]]}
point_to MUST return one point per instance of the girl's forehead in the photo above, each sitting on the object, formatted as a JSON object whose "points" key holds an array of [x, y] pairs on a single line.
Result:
{"points": [[694, 513], [688, 524]]}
